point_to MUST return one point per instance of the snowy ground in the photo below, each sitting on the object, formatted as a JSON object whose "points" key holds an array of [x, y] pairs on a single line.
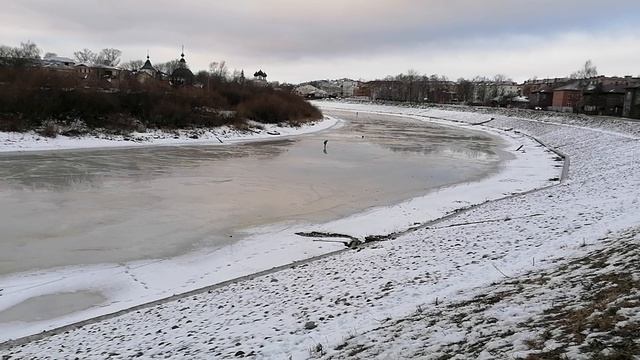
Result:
{"points": [[31, 141], [361, 303], [586, 308]]}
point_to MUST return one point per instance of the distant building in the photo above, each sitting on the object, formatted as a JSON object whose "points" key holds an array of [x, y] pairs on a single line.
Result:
{"points": [[57, 61], [508, 89], [362, 91], [333, 88], [534, 85], [58, 64], [541, 98], [148, 68], [98, 72], [310, 92], [603, 99], [480, 93], [342, 88], [260, 77], [182, 76], [632, 102], [567, 98], [148, 72], [420, 90], [348, 88], [595, 96], [520, 102], [99, 76]]}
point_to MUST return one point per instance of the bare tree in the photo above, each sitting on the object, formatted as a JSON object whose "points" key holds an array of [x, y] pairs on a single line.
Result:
{"points": [[465, 90], [85, 56], [50, 55], [494, 89], [238, 76], [168, 67], [411, 77], [412, 74], [23, 54], [219, 70], [6, 51], [588, 70], [132, 65], [109, 57], [481, 89], [501, 78], [29, 50], [202, 77]]}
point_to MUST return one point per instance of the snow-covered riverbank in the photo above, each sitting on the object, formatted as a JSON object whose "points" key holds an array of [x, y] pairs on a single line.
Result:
{"points": [[134, 283], [31, 141], [319, 306]]}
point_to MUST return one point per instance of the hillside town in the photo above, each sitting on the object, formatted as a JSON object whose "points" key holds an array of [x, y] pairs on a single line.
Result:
{"points": [[584, 92], [104, 71], [93, 94]]}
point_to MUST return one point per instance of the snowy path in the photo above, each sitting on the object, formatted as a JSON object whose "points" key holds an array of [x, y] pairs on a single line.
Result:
{"points": [[312, 309]]}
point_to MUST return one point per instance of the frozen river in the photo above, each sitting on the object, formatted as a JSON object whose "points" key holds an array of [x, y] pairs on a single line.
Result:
{"points": [[88, 232], [112, 206]]}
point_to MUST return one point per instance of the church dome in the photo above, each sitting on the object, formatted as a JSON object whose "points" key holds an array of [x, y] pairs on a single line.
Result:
{"points": [[147, 65], [182, 75], [182, 72]]}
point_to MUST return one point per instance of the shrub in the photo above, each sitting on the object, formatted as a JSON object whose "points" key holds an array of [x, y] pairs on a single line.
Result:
{"points": [[12, 122], [278, 107], [49, 129], [29, 96]]}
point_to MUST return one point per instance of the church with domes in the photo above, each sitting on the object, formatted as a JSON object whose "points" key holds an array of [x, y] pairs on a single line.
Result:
{"points": [[182, 76], [148, 72]]}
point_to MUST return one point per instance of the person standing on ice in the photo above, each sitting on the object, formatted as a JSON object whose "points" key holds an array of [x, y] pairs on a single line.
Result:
{"points": [[325, 146]]}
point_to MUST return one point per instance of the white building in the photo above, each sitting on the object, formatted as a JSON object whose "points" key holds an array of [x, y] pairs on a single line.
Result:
{"points": [[348, 87], [310, 92], [57, 61], [509, 89]]}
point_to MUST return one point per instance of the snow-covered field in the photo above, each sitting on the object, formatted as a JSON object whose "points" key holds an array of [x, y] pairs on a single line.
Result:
{"points": [[361, 303], [31, 141]]}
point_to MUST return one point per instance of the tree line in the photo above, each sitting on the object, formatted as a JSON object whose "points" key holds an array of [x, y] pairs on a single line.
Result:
{"points": [[33, 96], [415, 87]]}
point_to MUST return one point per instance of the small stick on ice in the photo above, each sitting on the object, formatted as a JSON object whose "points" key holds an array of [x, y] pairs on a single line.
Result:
{"points": [[500, 271], [329, 241]]}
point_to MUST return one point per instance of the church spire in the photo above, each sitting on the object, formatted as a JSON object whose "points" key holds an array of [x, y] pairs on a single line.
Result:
{"points": [[183, 62]]}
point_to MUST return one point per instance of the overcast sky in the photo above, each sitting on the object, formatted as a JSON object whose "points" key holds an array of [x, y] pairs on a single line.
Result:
{"points": [[299, 40]]}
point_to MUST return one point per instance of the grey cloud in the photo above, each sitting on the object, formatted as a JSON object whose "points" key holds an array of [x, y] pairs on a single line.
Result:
{"points": [[290, 31], [290, 28]]}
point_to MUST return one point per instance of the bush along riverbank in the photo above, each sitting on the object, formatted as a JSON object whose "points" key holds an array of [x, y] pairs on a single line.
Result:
{"points": [[57, 103]]}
